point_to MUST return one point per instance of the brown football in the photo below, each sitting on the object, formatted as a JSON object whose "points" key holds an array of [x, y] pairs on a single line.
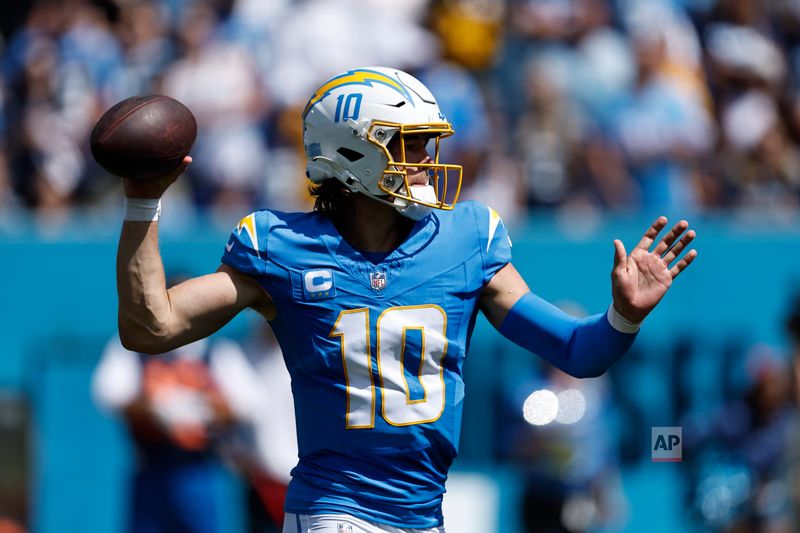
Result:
{"points": [[143, 137]]}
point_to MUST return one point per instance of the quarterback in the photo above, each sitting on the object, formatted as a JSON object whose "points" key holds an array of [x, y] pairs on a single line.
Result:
{"points": [[373, 297]]}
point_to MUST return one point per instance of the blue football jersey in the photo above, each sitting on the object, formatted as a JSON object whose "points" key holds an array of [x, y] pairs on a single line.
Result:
{"points": [[375, 345]]}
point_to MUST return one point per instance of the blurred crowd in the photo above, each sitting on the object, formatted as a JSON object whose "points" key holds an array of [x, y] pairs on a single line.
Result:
{"points": [[621, 105], [735, 401]]}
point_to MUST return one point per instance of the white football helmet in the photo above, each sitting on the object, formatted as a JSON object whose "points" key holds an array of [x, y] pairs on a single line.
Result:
{"points": [[347, 126]]}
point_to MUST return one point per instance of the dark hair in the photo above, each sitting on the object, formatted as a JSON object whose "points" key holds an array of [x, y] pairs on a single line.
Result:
{"points": [[330, 196]]}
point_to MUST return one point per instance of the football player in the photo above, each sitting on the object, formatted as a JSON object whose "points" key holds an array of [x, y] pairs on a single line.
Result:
{"points": [[373, 296]]}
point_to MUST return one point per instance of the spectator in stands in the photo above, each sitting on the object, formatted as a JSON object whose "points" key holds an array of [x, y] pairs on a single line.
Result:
{"points": [[570, 462], [263, 445], [739, 454], [175, 413], [759, 162], [147, 50], [219, 82], [661, 128]]}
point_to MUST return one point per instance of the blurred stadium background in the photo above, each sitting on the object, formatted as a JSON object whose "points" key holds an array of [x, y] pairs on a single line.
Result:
{"points": [[578, 120]]}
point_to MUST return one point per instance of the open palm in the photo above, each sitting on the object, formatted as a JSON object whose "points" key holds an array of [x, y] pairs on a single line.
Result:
{"points": [[641, 279]]}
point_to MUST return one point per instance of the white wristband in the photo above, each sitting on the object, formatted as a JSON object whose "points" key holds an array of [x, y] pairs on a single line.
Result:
{"points": [[142, 209], [620, 323]]}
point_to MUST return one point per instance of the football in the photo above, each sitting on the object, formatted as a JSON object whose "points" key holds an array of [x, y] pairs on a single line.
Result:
{"points": [[143, 137]]}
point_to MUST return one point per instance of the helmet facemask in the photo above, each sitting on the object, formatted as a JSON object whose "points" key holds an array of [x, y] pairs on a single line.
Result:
{"points": [[445, 179]]}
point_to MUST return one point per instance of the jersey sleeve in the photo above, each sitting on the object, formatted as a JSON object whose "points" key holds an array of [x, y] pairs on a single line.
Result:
{"points": [[246, 249], [493, 239]]}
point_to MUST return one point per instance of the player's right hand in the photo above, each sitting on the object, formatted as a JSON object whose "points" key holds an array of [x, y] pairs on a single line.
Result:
{"points": [[154, 188]]}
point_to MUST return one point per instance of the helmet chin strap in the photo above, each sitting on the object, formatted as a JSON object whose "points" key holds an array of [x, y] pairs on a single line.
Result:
{"points": [[414, 211]]}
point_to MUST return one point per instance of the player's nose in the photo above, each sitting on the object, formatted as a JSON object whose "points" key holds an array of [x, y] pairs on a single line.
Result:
{"points": [[417, 155], [418, 175]]}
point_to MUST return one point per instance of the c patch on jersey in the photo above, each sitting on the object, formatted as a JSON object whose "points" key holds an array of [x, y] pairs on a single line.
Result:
{"points": [[318, 284]]}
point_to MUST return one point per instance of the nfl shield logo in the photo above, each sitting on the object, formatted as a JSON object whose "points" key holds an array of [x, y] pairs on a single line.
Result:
{"points": [[377, 280], [344, 528]]}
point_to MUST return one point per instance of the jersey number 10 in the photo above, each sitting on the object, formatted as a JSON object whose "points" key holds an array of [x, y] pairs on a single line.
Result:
{"points": [[397, 406]]}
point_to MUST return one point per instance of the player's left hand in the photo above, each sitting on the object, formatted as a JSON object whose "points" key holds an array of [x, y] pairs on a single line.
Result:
{"points": [[641, 279]]}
